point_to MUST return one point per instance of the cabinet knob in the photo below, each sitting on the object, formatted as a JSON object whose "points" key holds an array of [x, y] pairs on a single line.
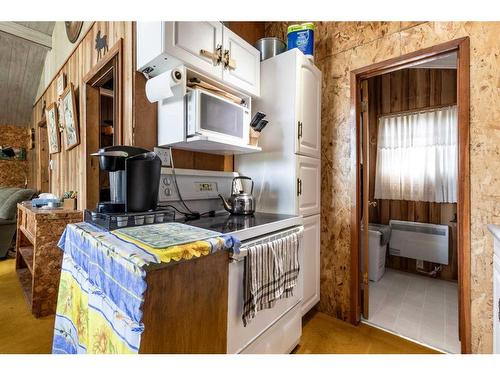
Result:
{"points": [[299, 129], [299, 187]]}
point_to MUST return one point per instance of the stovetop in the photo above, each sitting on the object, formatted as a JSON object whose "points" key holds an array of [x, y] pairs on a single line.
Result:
{"points": [[246, 226]]}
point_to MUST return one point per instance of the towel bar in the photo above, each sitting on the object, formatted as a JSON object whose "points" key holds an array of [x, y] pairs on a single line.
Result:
{"points": [[267, 238]]}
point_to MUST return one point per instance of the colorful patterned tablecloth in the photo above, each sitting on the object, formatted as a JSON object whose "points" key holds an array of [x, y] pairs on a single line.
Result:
{"points": [[103, 280]]}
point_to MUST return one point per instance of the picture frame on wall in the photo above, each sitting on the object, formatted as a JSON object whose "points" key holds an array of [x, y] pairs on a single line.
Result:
{"points": [[61, 83], [53, 129], [70, 118]]}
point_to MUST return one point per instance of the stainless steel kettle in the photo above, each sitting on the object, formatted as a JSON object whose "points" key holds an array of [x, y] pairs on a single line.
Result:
{"points": [[240, 203]]}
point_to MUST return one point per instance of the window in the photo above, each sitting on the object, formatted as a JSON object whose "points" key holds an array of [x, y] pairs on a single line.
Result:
{"points": [[417, 155]]}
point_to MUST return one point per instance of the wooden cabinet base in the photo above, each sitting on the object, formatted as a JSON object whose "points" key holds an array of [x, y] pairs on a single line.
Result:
{"points": [[185, 307], [38, 259]]}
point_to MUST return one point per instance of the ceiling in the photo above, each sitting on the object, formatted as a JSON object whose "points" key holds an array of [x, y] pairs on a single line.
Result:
{"points": [[23, 47]]}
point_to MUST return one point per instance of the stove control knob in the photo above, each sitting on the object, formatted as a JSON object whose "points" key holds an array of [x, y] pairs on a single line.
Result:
{"points": [[168, 192], [166, 180]]}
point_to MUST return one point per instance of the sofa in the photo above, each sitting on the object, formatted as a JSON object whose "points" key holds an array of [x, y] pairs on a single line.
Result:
{"points": [[9, 198]]}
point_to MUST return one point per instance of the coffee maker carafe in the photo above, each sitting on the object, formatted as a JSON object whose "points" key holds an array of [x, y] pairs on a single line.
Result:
{"points": [[134, 178]]}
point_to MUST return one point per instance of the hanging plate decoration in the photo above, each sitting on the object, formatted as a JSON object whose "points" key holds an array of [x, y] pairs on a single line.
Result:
{"points": [[73, 29]]}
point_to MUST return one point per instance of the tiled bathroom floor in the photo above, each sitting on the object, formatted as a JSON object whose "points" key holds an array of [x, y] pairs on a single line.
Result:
{"points": [[417, 307]]}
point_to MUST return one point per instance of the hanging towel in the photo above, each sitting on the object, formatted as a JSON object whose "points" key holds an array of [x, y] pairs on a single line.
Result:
{"points": [[271, 272]]}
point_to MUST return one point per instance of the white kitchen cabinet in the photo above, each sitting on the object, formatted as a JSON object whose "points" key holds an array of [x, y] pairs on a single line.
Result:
{"points": [[186, 40], [202, 46], [246, 71], [310, 262], [287, 172], [309, 97], [308, 185]]}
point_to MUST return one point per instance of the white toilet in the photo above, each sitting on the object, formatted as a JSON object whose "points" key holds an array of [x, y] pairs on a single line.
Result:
{"points": [[377, 248]]}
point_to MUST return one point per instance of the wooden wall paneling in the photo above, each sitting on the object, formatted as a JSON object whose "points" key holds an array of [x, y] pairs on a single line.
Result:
{"points": [[250, 31]]}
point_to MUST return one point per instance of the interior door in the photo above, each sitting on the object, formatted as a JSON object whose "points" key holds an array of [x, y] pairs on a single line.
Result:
{"points": [[365, 168], [244, 72], [192, 42], [308, 185], [309, 98], [310, 266]]}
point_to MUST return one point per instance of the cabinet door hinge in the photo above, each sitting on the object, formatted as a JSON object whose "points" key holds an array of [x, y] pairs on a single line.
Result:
{"points": [[365, 278]]}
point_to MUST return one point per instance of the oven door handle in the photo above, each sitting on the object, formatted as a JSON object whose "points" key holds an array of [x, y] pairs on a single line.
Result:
{"points": [[241, 255]]}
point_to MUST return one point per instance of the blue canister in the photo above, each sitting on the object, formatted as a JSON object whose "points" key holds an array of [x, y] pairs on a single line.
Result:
{"points": [[302, 37]]}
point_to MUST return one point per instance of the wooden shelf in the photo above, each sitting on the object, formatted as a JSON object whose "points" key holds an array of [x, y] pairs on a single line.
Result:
{"points": [[27, 255], [28, 235], [25, 279]]}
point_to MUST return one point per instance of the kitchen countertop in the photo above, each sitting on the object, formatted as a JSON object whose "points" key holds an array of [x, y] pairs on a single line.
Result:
{"points": [[495, 230]]}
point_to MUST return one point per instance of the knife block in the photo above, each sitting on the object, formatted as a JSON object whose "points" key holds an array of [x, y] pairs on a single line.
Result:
{"points": [[254, 137]]}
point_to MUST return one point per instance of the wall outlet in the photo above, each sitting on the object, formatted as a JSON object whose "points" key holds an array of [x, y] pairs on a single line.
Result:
{"points": [[420, 264], [164, 155]]}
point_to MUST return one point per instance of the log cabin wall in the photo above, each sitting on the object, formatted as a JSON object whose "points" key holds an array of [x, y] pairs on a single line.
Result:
{"points": [[405, 90], [13, 173], [139, 117]]}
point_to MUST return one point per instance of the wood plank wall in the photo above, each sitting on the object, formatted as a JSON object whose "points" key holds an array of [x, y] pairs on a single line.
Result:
{"points": [[404, 90], [139, 116]]}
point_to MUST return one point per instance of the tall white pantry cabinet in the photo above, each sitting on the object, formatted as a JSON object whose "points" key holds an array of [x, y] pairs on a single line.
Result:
{"points": [[287, 173]]}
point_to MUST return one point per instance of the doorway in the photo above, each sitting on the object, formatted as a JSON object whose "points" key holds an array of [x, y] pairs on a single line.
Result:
{"points": [[398, 198], [103, 119]]}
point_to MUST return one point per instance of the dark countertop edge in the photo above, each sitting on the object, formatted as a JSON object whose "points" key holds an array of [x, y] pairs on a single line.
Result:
{"points": [[495, 230]]}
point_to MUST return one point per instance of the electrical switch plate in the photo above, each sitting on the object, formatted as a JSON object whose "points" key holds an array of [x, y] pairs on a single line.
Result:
{"points": [[164, 155], [420, 264]]}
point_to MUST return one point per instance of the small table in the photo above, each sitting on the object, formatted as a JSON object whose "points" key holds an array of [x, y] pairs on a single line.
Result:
{"points": [[38, 259]]}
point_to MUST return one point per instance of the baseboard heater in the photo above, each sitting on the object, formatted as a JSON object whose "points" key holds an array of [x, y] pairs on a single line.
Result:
{"points": [[422, 241]]}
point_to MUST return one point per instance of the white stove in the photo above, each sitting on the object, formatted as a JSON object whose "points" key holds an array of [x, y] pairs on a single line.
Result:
{"points": [[272, 331]]}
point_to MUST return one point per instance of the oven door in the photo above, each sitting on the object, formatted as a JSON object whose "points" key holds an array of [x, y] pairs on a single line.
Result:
{"points": [[211, 115], [272, 331]]}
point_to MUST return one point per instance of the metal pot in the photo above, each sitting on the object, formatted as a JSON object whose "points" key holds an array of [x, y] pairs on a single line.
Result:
{"points": [[270, 47]]}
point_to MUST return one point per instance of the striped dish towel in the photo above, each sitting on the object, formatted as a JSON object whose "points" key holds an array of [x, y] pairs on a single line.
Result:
{"points": [[271, 272]]}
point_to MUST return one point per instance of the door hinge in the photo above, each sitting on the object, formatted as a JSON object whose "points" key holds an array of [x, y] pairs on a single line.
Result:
{"points": [[365, 278], [299, 186], [299, 131]]}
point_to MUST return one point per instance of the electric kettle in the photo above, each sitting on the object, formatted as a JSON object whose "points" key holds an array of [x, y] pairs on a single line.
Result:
{"points": [[240, 203]]}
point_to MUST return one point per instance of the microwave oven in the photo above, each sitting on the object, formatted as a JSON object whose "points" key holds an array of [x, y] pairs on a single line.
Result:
{"points": [[208, 114]]}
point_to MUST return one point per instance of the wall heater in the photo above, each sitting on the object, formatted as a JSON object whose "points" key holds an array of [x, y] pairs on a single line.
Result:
{"points": [[423, 241]]}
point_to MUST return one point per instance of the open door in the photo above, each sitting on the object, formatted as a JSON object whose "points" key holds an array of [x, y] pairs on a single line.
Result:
{"points": [[365, 168]]}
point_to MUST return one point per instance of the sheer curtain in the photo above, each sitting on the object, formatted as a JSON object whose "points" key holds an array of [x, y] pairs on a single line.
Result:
{"points": [[417, 156]]}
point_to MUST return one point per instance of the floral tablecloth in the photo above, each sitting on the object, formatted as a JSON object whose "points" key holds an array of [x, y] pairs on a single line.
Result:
{"points": [[103, 280]]}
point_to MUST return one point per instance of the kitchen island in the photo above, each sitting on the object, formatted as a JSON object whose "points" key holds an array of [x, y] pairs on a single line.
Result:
{"points": [[116, 297]]}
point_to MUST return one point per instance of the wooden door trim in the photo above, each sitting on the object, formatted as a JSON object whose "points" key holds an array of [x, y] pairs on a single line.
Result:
{"points": [[462, 47], [111, 60]]}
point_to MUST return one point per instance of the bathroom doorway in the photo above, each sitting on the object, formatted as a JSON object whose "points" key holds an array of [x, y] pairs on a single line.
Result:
{"points": [[410, 269]]}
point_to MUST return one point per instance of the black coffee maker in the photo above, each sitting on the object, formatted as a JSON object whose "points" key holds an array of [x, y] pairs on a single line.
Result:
{"points": [[134, 178]]}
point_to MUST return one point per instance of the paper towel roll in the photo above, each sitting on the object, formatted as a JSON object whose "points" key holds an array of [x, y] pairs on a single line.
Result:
{"points": [[160, 87]]}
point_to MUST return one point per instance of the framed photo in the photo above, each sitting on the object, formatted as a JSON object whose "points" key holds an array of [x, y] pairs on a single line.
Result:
{"points": [[52, 129], [61, 84], [70, 118]]}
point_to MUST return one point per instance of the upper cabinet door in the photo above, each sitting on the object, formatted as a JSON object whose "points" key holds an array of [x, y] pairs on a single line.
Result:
{"points": [[309, 123], [308, 185], [244, 68], [193, 42]]}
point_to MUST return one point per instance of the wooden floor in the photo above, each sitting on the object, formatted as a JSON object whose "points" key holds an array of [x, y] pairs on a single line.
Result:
{"points": [[323, 334], [20, 332]]}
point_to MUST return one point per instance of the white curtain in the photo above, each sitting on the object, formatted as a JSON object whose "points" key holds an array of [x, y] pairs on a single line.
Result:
{"points": [[417, 156]]}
